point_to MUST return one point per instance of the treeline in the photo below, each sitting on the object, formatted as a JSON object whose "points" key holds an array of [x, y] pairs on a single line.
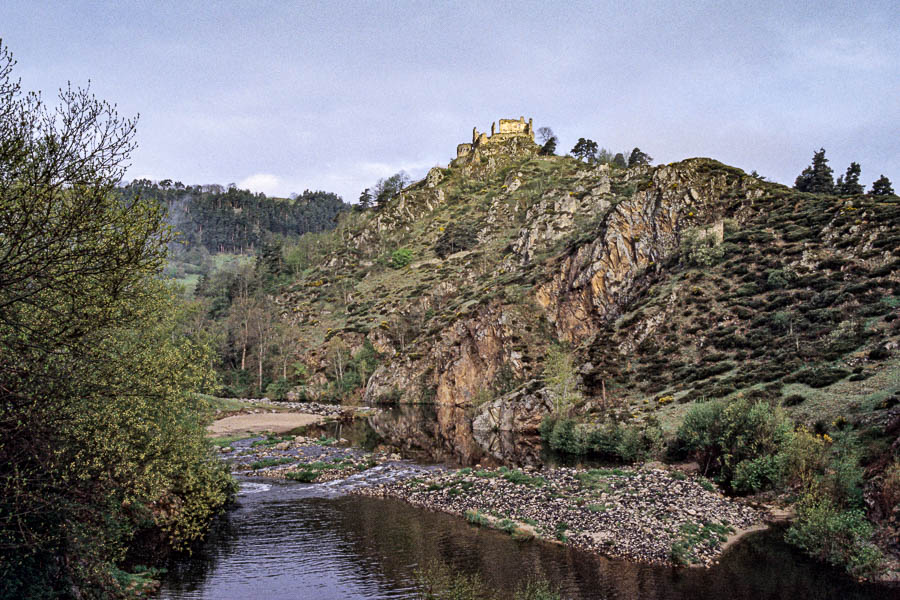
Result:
{"points": [[233, 220], [818, 178]]}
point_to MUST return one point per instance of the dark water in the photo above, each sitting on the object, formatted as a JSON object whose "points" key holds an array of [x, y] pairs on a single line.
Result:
{"points": [[287, 540]]}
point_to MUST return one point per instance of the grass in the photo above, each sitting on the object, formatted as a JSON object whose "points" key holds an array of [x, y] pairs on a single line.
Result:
{"points": [[228, 440], [270, 462], [519, 478], [694, 535], [476, 517]]}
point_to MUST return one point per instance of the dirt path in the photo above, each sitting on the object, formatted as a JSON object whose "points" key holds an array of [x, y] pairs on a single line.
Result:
{"points": [[274, 422]]}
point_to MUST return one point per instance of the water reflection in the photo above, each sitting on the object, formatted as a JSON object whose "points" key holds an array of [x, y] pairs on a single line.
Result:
{"points": [[443, 434], [291, 542]]}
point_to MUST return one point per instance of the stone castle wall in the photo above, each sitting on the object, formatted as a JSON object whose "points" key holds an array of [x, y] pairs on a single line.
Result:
{"points": [[509, 128]]}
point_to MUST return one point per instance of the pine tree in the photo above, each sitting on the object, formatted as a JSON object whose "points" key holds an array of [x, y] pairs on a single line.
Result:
{"points": [[365, 198], [882, 187], [639, 158], [848, 184], [816, 178], [585, 149]]}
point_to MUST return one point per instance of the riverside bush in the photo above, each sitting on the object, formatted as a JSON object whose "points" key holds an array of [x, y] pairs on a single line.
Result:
{"points": [[840, 537], [723, 435], [628, 443]]}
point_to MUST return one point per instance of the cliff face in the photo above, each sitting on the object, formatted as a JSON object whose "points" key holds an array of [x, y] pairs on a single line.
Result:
{"points": [[665, 282]]}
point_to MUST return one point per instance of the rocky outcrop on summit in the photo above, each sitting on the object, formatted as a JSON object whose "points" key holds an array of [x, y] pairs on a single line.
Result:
{"points": [[595, 281]]}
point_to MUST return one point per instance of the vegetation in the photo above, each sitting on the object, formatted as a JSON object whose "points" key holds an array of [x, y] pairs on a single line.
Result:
{"points": [[436, 581], [102, 438], [816, 178], [212, 219]]}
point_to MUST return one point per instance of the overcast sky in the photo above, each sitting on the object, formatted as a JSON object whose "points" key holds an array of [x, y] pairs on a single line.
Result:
{"points": [[284, 96]]}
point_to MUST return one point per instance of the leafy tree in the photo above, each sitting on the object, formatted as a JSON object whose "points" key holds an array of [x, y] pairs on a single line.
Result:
{"points": [[848, 184], [560, 376], [100, 435], [619, 160], [639, 158], [585, 149], [882, 187], [816, 178]]}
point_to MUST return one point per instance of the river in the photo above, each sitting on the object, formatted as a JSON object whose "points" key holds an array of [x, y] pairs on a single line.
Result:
{"points": [[286, 540]]}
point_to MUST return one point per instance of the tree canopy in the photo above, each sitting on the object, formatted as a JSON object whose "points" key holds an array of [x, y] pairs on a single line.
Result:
{"points": [[585, 149], [385, 189], [639, 158], [882, 187], [816, 178], [100, 435], [848, 184]]}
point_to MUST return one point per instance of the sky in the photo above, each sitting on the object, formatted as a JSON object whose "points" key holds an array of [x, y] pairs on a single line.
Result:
{"points": [[283, 96]]}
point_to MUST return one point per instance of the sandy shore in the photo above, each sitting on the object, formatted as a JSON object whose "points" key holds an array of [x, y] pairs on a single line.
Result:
{"points": [[257, 423]]}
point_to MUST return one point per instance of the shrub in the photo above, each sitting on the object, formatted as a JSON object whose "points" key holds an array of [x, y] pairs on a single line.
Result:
{"points": [[724, 434], [839, 537], [277, 390], [456, 239], [401, 258], [565, 438], [700, 250]]}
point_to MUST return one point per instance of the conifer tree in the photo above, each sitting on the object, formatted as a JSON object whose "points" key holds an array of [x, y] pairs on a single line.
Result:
{"points": [[848, 184], [639, 158], [816, 178], [882, 187], [585, 149]]}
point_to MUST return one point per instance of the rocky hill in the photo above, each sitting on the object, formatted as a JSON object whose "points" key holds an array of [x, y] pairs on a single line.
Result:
{"points": [[672, 283]]}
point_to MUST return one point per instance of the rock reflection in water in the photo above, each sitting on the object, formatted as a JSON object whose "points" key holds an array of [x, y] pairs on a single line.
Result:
{"points": [[290, 542], [443, 433]]}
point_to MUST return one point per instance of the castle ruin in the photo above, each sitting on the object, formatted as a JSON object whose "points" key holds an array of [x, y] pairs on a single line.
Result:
{"points": [[509, 128]]}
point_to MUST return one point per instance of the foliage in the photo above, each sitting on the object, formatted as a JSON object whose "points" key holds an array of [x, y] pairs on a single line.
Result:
{"points": [[848, 184], [585, 150], [816, 178], [548, 141], [101, 435], [235, 220], [882, 187], [724, 435], [560, 377], [611, 439], [840, 537], [401, 257], [699, 249], [385, 189], [637, 157]]}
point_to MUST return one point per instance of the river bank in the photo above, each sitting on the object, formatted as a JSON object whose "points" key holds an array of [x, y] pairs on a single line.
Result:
{"points": [[640, 513]]}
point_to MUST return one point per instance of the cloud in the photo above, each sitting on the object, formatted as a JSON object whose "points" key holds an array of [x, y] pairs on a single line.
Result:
{"points": [[268, 184]]}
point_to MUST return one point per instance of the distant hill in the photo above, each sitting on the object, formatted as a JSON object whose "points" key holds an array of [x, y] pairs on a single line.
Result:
{"points": [[237, 221]]}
